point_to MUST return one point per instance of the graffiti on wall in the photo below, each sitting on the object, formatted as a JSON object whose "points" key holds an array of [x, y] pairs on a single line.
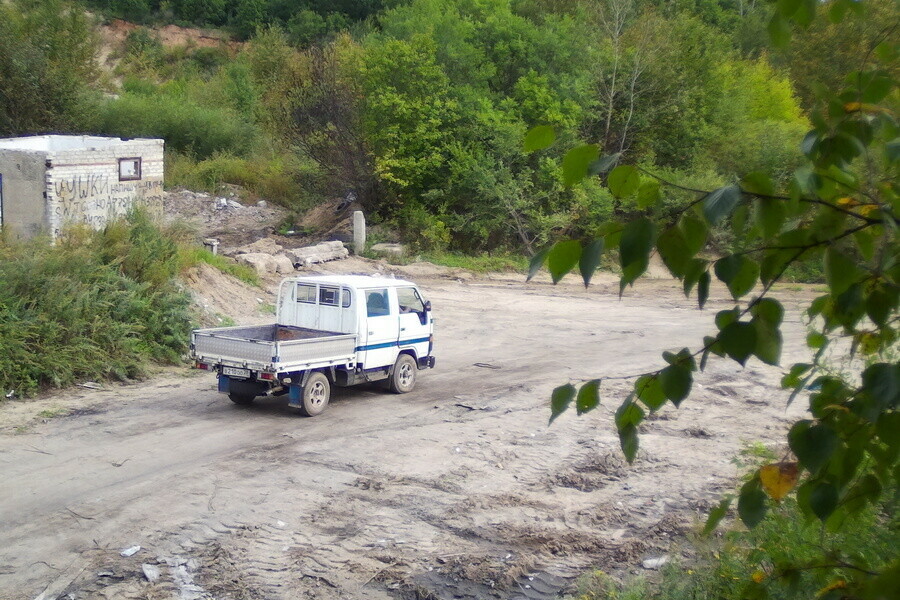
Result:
{"points": [[97, 198]]}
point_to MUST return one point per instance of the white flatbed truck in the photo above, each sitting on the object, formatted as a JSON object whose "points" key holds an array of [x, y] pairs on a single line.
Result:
{"points": [[330, 330]]}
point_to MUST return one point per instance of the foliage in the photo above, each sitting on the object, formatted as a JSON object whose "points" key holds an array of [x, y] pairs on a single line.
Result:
{"points": [[94, 305], [839, 210], [185, 125], [46, 56], [190, 256], [761, 555]]}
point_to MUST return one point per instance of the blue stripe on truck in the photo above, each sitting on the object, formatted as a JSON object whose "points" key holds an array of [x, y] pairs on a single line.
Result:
{"points": [[392, 344]]}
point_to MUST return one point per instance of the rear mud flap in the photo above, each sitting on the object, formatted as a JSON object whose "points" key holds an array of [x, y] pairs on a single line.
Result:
{"points": [[295, 393], [224, 384]]}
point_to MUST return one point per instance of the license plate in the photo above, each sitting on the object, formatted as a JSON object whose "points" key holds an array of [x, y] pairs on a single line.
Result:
{"points": [[233, 372]]}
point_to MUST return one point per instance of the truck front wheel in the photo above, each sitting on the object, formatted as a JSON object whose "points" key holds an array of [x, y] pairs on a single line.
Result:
{"points": [[316, 392], [403, 376]]}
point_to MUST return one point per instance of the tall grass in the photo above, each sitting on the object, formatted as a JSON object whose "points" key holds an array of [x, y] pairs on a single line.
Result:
{"points": [[185, 125], [93, 306]]}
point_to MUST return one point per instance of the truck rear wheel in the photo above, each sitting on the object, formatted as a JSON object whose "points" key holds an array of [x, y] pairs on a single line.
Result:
{"points": [[242, 399], [403, 376], [316, 392]]}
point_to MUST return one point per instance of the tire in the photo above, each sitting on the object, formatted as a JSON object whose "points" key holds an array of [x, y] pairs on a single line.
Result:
{"points": [[242, 399], [403, 375], [315, 396]]}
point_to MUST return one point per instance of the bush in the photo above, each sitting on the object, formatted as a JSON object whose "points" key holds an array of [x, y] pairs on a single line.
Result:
{"points": [[92, 306], [273, 178]]}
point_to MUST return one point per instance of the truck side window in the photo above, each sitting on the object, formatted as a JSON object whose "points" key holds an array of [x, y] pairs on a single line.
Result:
{"points": [[306, 293], [377, 303], [410, 301], [328, 296], [345, 297]]}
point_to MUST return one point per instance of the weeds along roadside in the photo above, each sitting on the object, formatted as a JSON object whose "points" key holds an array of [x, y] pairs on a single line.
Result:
{"points": [[779, 559], [96, 305]]}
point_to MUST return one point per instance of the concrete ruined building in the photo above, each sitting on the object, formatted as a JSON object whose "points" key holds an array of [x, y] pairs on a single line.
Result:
{"points": [[50, 181]]}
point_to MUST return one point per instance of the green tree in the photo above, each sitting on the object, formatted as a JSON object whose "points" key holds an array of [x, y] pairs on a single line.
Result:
{"points": [[46, 61], [840, 210], [249, 15]]}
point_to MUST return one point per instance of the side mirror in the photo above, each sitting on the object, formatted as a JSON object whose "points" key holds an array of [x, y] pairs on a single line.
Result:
{"points": [[427, 305]]}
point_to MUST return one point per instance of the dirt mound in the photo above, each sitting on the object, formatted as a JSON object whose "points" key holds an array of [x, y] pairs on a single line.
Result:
{"points": [[224, 217], [222, 298], [332, 220]]}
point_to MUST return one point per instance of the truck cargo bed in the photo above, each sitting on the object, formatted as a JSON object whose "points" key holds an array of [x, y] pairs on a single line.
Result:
{"points": [[272, 347]]}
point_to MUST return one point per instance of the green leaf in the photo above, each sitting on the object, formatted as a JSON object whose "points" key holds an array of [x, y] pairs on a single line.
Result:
{"points": [[634, 249], [650, 392], [770, 216], [537, 261], [560, 400], [768, 342], [716, 515], [724, 318], [882, 382], [816, 340], [588, 397], [703, 288], [629, 413], [812, 444], [695, 232], [738, 272], [792, 378], [562, 258], [758, 183], [718, 204], [840, 271], [880, 303], [648, 194], [590, 260], [786, 8], [752, 503], [676, 383], [823, 499], [739, 341], [673, 250], [779, 31], [539, 138], [694, 268], [769, 310], [623, 181], [628, 439], [576, 162]]}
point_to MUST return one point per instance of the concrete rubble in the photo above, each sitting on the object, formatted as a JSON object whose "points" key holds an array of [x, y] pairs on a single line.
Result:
{"points": [[267, 256]]}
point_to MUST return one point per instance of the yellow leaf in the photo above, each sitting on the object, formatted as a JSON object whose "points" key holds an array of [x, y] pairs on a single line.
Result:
{"points": [[778, 479], [834, 585], [852, 107], [758, 576], [846, 201]]}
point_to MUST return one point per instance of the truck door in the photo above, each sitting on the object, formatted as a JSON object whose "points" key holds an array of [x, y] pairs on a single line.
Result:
{"points": [[379, 346], [415, 322]]}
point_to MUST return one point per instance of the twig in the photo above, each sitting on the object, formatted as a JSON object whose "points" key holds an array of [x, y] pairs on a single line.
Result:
{"points": [[38, 450], [75, 514]]}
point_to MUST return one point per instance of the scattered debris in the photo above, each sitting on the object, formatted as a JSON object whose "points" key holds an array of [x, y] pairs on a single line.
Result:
{"points": [[91, 385], [486, 366], [11, 394], [470, 407], [151, 572], [655, 563], [131, 551]]}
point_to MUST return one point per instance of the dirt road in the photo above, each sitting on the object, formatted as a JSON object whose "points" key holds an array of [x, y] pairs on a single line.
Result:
{"points": [[457, 490]]}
